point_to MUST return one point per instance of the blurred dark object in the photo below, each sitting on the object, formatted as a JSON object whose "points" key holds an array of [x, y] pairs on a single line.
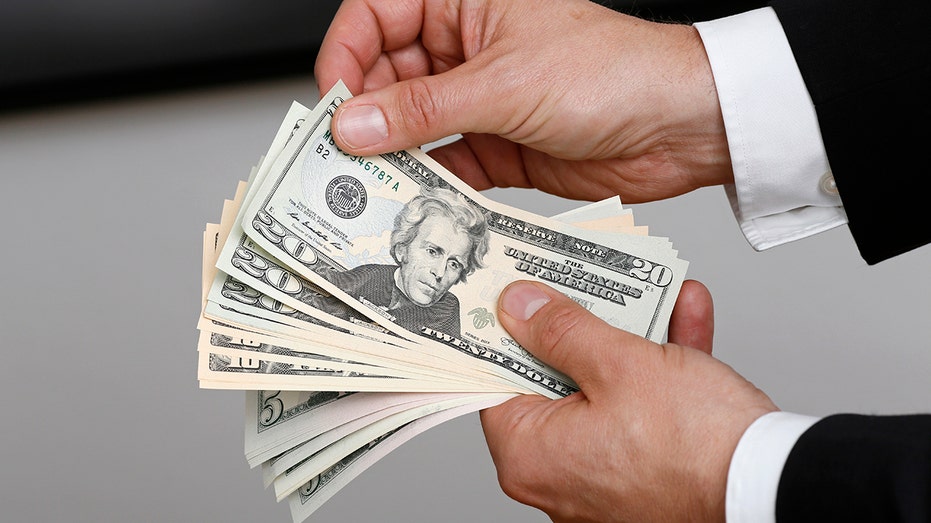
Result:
{"points": [[683, 11], [53, 51]]}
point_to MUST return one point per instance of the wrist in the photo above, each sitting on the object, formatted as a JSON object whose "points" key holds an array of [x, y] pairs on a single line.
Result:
{"points": [[710, 158], [720, 452]]}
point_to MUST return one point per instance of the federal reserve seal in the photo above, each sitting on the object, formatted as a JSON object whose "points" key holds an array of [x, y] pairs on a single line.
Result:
{"points": [[346, 196]]}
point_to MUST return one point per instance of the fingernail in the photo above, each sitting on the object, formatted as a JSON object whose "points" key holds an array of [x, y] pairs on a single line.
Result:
{"points": [[521, 300], [362, 126]]}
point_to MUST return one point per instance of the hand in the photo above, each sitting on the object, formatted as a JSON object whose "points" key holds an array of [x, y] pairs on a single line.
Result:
{"points": [[649, 436], [565, 96]]}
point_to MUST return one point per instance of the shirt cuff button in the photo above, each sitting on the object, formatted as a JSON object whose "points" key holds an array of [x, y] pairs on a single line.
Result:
{"points": [[828, 185]]}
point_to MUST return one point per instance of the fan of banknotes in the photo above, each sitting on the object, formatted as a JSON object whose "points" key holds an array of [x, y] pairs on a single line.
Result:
{"points": [[354, 299]]}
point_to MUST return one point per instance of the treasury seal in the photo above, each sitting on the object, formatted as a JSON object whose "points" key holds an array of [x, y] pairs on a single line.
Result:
{"points": [[346, 196]]}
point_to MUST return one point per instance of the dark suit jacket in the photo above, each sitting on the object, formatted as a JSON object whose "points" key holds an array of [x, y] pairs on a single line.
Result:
{"points": [[865, 64], [851, 468]]}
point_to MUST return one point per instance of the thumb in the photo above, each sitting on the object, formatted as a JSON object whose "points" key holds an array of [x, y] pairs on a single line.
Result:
{"points": [[567, 337], [413, 112]]}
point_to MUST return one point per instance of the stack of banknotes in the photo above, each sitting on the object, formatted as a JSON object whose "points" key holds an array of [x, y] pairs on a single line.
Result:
{"points": [[354, 300]]}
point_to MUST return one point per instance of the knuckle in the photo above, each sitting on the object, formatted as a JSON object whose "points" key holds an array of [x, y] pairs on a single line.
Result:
{"points": [[515, 483], [419, 106], [512, 486], [559, 328], [512, 426]]}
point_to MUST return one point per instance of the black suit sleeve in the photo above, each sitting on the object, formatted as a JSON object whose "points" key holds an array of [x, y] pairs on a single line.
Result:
{"points": [[865, 64], [850, 467]]}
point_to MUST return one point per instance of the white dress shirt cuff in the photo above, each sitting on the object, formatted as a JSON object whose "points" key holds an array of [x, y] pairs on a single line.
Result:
{"points": [[756, 466], [783, 188]]}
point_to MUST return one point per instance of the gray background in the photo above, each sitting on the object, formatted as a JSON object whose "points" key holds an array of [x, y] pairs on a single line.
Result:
{"points": [[104, 204]]}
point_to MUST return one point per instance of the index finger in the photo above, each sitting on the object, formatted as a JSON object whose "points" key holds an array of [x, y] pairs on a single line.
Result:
{"points": [[360, 31]]}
